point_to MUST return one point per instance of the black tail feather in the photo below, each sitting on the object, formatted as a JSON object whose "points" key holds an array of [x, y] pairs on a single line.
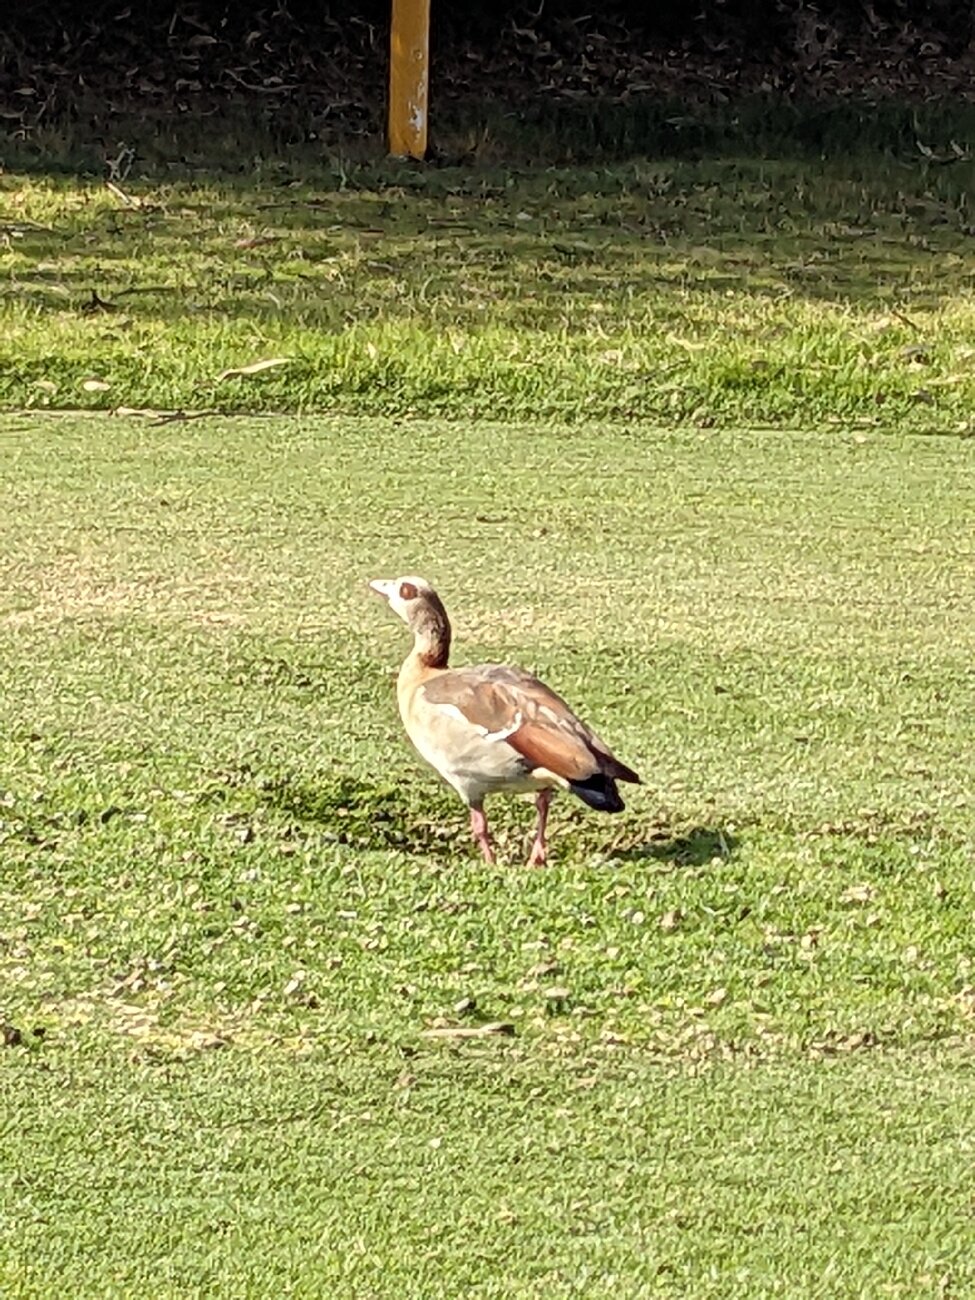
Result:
{"points": [[623, 773], [599, 792]]}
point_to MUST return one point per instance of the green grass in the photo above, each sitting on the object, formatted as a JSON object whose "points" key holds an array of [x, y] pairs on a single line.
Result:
{"points": [[231, 902], [481, 1174], [781, 293]]}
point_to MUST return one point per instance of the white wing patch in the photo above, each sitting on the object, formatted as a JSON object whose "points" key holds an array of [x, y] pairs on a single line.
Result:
{"points": [[506, 732], [452, 711]]}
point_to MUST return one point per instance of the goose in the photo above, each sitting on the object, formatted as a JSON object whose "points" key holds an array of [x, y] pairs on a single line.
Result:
{"points": [[492, 728]]}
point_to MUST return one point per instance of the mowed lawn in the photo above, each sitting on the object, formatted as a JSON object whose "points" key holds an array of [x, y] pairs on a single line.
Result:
{"points": [[740, 1016]]}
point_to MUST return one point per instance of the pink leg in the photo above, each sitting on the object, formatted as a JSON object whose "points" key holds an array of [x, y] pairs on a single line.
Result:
{"points": [[479, 829], [539, 851]]}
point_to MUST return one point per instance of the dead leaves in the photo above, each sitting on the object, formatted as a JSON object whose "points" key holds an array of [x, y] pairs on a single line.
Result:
{"points": [[10, 1035], [255, 368], [833, 1043], [857, 894], [255, 241], [334, 70], [447, 1032]]}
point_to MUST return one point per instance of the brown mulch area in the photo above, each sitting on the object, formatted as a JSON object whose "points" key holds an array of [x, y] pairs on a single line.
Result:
{"points": [[332, 70]]}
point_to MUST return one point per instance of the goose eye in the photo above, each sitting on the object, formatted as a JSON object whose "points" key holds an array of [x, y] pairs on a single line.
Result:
{"points": [[407, 591]]}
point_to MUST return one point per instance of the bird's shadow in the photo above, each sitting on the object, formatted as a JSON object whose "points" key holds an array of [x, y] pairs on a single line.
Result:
{"points": [[364, 814], [422, 820], [693, 848]]}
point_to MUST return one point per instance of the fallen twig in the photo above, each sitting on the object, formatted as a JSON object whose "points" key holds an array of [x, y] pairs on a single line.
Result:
{"points": [[130, 200]]}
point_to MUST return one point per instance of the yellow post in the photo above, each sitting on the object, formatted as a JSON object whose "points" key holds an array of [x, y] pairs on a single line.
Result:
{"points": [[409, 78]]}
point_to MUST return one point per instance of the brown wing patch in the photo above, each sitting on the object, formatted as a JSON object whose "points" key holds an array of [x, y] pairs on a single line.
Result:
{"points": [[559, 751], [481, 703], [506, 704]]}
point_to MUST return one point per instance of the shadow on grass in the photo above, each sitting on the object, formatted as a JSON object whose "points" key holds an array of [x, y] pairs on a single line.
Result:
{"points": [[367, 815], [856, 231], [380, 818], [282, 141], [693, 848]]}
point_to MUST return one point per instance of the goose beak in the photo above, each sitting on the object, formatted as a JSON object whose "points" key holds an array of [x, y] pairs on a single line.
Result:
{"points": [[381, 587]]}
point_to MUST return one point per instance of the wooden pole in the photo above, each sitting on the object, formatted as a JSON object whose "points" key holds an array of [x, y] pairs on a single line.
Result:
{"points": [[409, 77]]}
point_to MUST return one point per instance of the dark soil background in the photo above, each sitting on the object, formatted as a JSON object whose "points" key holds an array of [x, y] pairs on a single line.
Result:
{"points": [[320, 68]]}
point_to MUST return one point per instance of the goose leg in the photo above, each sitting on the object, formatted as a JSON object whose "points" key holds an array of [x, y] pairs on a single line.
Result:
{"points": [[479, 829], [539, 851]]}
